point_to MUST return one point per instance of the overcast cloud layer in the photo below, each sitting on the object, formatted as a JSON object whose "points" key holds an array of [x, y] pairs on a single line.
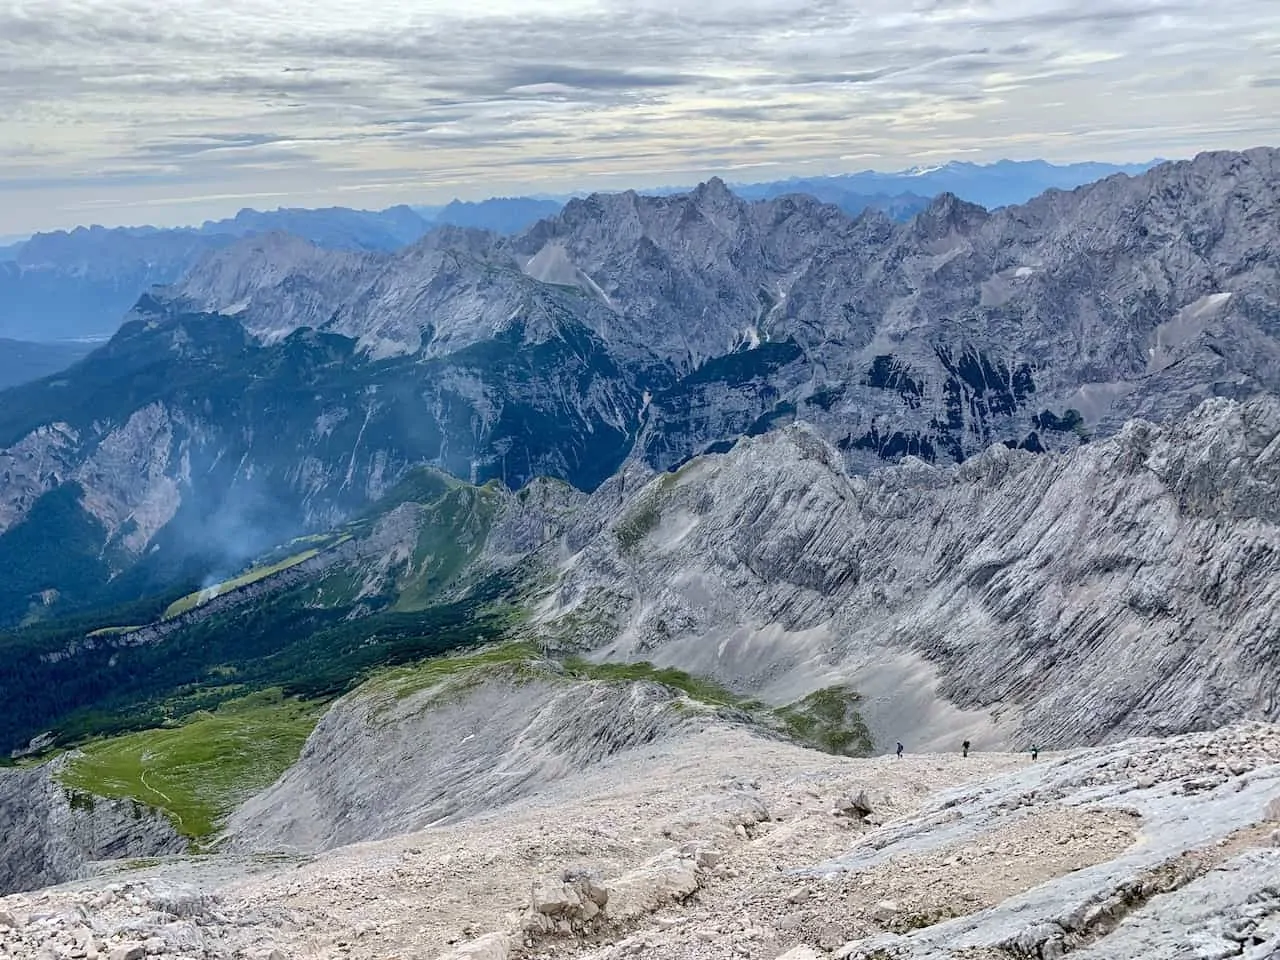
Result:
{"points": [[168, 111]]}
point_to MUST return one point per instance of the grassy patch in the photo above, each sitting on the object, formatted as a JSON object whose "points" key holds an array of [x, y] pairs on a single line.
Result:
{"points": [[695, 688], [200, 597], [112, 631], [420, 485], [197, 773], [828, 719], [453, 533], [404, 681]]}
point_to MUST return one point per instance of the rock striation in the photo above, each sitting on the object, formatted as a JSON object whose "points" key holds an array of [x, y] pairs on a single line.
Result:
{"points": [[1131, 586], [50, 834], [383, 761]]}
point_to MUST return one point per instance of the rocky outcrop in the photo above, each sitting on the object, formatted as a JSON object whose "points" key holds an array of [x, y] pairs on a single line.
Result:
{"points": [[1202, 878], [1145, 847], [385, 760], [1129, 587], [49, 833]]}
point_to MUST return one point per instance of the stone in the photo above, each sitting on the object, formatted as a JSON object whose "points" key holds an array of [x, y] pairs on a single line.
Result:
{"points": [[183, 937], [801, 953], [666, 878], [553, 898], [492, 946], [128, 951], [884, 911], [856, 807], [588, 884]]}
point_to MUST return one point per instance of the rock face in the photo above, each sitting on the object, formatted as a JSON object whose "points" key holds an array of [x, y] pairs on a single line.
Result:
{"points": [[49, 834], [279, 385], [1146, 847], [381, 762], [1131, 586], [1202, 878], [79, 284]]}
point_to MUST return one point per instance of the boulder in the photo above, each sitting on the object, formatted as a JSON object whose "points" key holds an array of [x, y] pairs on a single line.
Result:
{"points": [[670, 877], [855, 807], [492, 946]]}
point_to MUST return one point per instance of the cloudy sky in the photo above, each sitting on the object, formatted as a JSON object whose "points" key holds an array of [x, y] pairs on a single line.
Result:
{"points": [[170, 111]]}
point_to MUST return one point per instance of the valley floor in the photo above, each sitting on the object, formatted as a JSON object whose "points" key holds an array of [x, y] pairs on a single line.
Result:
{"points": [[720, 844]]}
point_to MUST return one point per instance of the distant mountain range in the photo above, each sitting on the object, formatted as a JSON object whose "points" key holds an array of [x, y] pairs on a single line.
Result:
{"points": [[499, 214], [281, 386], [991, 185], [66, 285]]}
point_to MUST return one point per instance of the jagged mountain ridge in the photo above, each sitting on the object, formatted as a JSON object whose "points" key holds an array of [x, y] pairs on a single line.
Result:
{"points": [[934, 337], [981, 600], [79, 283], [673, 325], [1129, 587]]}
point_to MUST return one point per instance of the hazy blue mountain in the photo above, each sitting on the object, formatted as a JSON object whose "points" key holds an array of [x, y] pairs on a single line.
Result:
{"points": [[338, 228], [71, 285], [990, 185], [505, 215], [21, 361], [80, 283], [900, 207]]}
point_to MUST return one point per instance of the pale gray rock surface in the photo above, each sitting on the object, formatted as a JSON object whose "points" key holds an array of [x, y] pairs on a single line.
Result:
{"points": [[1129, 587], [1152, 846], [381, 764], [49, 836], [1201, 878]]}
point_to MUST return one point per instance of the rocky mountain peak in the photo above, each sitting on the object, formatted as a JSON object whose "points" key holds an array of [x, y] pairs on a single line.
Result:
{"points": [[947, 214], [714, 192]]}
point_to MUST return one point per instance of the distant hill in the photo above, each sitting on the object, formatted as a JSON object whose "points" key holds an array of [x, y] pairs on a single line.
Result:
{"points": [[990, 185], [80, 283], [499, 214]]}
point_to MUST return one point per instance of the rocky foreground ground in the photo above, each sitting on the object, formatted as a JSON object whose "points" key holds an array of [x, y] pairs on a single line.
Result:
{"points": [[719, 844]]}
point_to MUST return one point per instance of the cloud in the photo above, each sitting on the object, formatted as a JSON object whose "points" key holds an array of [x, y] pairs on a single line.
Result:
{"points": [[591, 78], [406, 102]]}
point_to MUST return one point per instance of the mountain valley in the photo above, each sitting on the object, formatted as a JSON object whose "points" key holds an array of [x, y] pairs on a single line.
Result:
{"points": [[280, 386], [564, 592]]}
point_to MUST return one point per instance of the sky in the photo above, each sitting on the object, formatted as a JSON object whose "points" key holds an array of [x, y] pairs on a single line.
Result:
{"points": [[173, 111]]}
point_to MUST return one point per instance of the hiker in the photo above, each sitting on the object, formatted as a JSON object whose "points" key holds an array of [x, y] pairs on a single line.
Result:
{"points": [[899, 749], [1035, 752], [965, 747]]}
